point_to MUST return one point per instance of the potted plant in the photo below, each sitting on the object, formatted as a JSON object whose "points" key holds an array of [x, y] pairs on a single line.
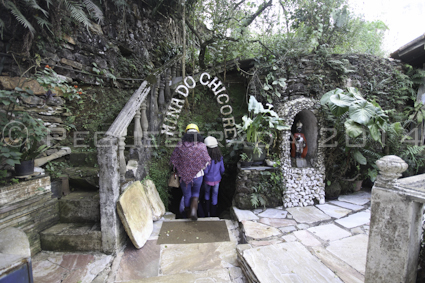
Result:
{"points": [[22, 135], [260, 129], [246, 161]]}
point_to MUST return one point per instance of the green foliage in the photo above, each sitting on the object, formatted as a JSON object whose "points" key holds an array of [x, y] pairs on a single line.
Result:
{"points": [[414, 157], [245, 157], [51, 81], [55, 168], [21, 133], [261, 125], [270, 186], [159, 172], [361, 114], [26, 12]]}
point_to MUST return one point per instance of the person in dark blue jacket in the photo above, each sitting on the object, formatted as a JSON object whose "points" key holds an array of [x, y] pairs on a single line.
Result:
{"points": [[212, 176]]}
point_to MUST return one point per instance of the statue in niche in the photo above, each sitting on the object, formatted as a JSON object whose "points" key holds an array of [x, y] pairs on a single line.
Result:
{"points": [[299, 147]]}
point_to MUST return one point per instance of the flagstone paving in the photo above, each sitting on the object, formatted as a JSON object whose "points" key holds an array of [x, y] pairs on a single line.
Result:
{"points": [[321, 243]]}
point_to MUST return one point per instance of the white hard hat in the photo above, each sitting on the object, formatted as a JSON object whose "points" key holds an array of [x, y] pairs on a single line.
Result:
{"points": [[211, 142]]}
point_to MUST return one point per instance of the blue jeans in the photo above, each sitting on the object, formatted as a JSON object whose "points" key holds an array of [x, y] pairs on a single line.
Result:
{"points": [[191, 190], [214, 190]]}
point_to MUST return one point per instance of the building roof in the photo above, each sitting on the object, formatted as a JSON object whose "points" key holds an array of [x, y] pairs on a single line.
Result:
{"points": [[413, 53]]}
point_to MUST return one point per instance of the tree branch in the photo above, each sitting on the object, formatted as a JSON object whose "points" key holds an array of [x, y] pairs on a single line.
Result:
{"points": [[262, 7]]}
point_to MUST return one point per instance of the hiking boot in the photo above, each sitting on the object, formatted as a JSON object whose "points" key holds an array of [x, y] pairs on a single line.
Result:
{"points": [[193, 208]]}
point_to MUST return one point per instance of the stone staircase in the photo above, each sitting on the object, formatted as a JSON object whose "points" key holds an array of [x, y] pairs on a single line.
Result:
{"points": [[79, 211], [79, 227]]}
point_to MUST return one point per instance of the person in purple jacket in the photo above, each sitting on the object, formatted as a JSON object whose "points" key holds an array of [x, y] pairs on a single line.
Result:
{"points": [[212, 176]]}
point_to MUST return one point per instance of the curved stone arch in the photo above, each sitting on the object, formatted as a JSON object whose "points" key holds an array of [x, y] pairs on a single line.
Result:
{"points": [[181, 93], [305, 110], [308, 180]]}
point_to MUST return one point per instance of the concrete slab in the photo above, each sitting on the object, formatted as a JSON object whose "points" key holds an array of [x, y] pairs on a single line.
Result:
{"points": [[135, 212], [308, 214], [343, 270], [286, 230], [289, 238], [333, 211], [275, 222], [139, 263], [329, 232], [169, 216], [273, 213], [260, 243], [214, 275], [287, 262], [155, 230], [306, 238], [302, 226], [347, 205], [242, 215], [191, 232], [156, 204], [48, 272], [259, 231], [197, 257], [354, 220], [68, 267], [359, 198], [352, 250]]}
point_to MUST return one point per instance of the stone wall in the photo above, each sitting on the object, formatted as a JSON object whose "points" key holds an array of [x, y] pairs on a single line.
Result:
{"points": [[248, 182], [119, 54], [304, 186], [30, 207]]}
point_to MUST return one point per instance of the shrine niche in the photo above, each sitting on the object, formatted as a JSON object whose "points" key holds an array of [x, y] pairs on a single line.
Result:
{"points": [[301, 157]]}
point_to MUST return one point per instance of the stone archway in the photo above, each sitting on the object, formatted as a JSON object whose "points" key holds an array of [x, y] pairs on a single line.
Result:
{"points": [[305, 186]]}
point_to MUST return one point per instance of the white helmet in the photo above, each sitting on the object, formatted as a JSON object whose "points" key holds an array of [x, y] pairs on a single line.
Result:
{"points": [[211, 142]]}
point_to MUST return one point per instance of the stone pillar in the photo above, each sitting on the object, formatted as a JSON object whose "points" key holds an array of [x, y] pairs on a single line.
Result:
{"points": [[144, 120], [121, 148], [138, 134], [109, 191], [395, 227]]}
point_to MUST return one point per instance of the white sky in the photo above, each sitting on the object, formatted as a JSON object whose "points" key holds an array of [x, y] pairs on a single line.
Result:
{"points": [[404, 18]]}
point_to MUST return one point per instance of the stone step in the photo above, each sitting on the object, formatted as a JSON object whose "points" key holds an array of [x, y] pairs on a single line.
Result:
{"points": [[72, 237], [80, 207], [83, 178]]}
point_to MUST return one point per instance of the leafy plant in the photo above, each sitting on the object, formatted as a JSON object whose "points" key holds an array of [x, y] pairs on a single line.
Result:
{"points": [[24, 11], [51, 82], [269, 188], [260, 125], [21, 133], [55, 169], [245, 157], [361, 114]]}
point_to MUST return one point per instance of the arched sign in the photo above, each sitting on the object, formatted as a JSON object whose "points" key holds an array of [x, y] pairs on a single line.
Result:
{"points": [[176, 105]]}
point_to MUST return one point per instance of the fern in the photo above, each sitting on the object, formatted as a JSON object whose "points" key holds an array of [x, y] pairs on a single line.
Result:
{"points": [[254, 200], [77, 13], [33, 4], [413, 155], [94, 10], [44, 23], [19, 17]]}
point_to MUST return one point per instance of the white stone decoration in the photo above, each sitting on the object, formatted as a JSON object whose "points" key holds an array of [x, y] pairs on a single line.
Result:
{"points": [[305, 186]]}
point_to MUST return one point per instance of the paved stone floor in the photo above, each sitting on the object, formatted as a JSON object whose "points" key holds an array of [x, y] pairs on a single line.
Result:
{"points": [[321, 243]]}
